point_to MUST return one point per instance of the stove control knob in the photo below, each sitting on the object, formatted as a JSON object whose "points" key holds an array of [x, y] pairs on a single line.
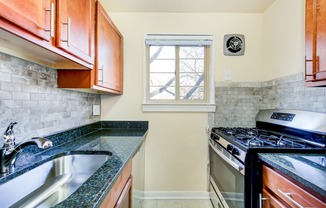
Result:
{"points": [[235, 151], [215, 137], [229, 147]]}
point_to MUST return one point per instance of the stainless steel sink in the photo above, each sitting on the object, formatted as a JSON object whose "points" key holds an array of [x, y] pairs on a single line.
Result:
{"points": [[51, 182]]}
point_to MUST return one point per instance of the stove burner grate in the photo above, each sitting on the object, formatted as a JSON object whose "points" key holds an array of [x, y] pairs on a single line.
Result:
{"points": [[254, 137]]}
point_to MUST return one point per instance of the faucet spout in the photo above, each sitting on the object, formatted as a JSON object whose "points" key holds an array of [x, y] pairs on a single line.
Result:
{"points": [[10, 151]]}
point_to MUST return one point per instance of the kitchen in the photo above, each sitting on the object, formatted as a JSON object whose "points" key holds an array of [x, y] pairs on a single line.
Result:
{"points": [[268, 75]]}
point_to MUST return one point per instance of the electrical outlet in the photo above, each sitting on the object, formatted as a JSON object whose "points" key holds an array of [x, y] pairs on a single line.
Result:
{"points": [[96, 110], [228, 75]]}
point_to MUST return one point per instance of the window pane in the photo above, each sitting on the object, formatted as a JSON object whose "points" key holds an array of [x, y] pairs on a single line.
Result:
{"points": [[163, 66], [162, 52], [192, 52], [162, 79], [192, 93], [192, 65], [162, 93], [191, 79]]}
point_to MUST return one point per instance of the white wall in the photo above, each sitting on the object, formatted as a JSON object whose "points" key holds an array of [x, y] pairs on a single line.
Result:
{"points": [[283, 39], [176, 148]]}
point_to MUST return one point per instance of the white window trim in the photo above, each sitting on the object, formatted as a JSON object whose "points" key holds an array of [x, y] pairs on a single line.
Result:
{"points": [[208, 106]]}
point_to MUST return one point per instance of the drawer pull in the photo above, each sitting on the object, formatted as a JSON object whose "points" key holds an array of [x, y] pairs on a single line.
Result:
{"points": [[288, 196], [261, 199]]}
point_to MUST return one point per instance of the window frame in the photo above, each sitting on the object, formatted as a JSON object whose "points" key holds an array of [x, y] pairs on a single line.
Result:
{"points": [[178, 105]]}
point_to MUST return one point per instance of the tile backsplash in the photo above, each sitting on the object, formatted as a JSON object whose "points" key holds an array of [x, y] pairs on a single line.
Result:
{"points": [[239, 102], [29, 95]]}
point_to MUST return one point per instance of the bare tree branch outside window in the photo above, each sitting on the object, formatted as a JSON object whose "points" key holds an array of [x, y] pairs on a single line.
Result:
{"points": [[190, 71]]}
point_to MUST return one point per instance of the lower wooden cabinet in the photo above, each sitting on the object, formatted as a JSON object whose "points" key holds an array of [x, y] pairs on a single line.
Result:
{"points": [[269, 201], [278, 191], [121, 192]]}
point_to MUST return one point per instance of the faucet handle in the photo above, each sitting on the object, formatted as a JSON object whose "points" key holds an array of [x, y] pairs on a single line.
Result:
{"points": [[9, 137], [42, 142]]}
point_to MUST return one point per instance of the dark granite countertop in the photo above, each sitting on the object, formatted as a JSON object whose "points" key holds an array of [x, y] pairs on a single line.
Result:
{"points": [[120, 140], [307, 169]]}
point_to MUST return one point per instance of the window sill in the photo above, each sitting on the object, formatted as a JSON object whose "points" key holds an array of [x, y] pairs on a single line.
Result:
{"points": [[209, 108]]}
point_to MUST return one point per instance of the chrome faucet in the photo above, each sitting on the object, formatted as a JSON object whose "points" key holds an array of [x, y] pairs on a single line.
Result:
{"points": [[10, 151]]}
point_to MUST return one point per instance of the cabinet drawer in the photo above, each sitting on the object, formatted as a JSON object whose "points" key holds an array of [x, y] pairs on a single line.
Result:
{"points": [[289, 192], [270, 201]]}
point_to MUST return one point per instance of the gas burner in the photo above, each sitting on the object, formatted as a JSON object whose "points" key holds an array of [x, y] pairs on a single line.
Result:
{"points": [[255, 143], [252, 132], [282, 143], [230, 131]]}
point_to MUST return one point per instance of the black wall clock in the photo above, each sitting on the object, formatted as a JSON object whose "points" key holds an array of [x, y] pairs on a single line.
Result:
{"points": [[234, 45]]}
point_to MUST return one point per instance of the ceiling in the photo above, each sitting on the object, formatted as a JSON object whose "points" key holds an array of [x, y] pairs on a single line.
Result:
{"points": [[187, 6]]}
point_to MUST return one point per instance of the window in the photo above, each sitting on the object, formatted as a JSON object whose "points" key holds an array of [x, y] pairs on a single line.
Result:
{"points": [[178, 75]]}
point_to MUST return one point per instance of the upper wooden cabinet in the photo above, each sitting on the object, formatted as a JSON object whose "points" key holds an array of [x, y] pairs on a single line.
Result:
{"points": [[75, 27], [315, 43], [109, 52], [107, 75], [33, 16], [55, 33]]}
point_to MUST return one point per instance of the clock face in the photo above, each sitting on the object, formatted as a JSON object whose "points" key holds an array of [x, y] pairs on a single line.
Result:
{"points": [[234, 45]]}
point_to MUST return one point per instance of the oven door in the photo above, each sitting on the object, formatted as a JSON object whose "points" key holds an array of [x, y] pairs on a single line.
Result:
{"points": [[226, 177]]}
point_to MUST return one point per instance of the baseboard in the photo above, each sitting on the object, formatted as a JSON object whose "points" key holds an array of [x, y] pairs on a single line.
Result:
{"points": [[176, 195]]}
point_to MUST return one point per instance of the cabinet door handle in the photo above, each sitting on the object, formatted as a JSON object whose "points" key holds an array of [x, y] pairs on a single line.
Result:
{"points": [[100, 70], [68, 23], [261, 199], [125, 192], [288, 196], [52, 15]]}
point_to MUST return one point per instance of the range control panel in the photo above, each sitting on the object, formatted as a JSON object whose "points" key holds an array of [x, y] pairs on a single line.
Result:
{"points": [[283, 116]]}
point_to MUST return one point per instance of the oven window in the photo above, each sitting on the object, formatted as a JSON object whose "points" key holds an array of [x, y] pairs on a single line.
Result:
{"points": [[229, 181]]}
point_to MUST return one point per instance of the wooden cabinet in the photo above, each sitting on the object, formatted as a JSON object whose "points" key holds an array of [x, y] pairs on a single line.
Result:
{"points": [[120, 194], [279, 191], [33, 16], [109, 51], [107, 75], [39, 31], [75, 27], [269, 201], [315, 43]]}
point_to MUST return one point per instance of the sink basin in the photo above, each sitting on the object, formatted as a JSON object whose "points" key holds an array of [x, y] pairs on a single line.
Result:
{"points": [[51, 182]]}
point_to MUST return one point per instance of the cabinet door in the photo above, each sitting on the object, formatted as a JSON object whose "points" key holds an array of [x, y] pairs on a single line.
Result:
{"points": [[31, 15], [109, 53], [316, 42], [289, 192], [75, 25], [269, 201]]}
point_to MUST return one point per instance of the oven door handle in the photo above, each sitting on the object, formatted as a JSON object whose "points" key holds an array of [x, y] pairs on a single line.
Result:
{"points": [[238, 167]]}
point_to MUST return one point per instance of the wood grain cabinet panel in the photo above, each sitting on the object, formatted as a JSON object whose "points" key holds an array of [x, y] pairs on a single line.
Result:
{"points": [[107, 75], [37, 30], [109, 52], [120, 194], [33, 16], [315, 43], [285, 193], [75, 33], [269, 201]]}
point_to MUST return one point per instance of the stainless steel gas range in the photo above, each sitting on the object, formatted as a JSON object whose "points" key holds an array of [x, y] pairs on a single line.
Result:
{"points": [[235, 173]]}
